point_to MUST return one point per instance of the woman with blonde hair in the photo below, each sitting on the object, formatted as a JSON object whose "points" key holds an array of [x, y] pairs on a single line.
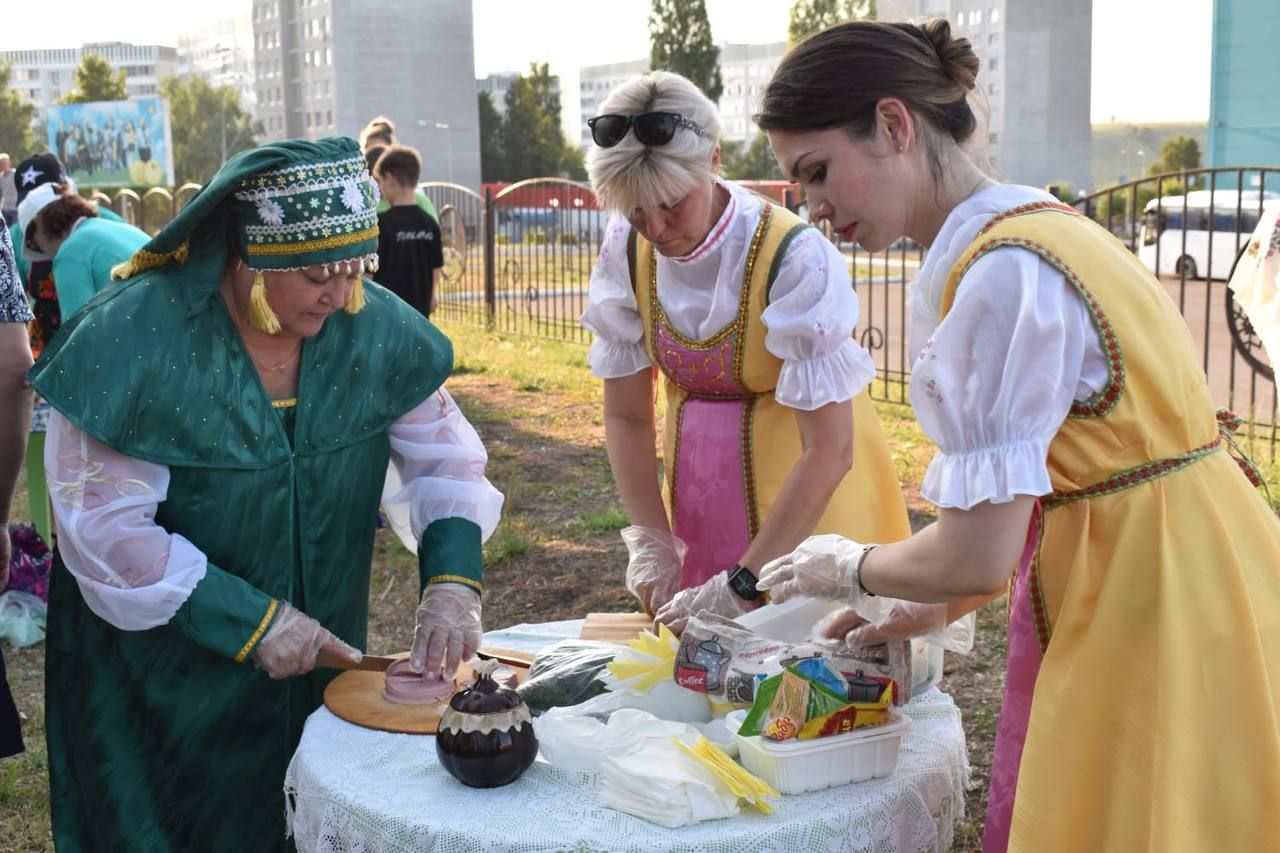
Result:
{"points": [[748, 313], [1078, 450]]}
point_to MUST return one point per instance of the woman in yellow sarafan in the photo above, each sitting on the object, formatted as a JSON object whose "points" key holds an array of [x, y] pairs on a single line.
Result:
{"points": [[748, 313], [1075, 428]]}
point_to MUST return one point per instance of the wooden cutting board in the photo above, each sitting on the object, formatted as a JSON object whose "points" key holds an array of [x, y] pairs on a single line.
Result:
{"points": [[615, 627], [356, 696]]}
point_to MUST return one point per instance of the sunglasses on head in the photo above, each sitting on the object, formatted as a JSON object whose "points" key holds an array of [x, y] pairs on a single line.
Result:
{"points": [[650, 128]]}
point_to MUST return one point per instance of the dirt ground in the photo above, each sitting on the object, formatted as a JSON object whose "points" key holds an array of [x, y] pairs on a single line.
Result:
{"points": [[557, 555]]}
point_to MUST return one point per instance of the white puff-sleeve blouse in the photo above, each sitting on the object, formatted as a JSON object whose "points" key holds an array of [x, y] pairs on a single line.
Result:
{"points": [[809, 321], [995, 380]]}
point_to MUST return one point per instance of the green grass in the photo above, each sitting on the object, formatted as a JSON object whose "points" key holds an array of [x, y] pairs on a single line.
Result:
{"points": [[605, 521], [508, 542], [533, 364]]}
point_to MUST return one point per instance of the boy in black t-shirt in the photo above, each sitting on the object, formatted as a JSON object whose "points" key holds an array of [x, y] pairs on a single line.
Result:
{"points": [[410, 253]]}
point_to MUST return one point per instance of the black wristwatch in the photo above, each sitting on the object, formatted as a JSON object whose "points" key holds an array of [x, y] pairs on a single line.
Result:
{"points": [[743, 582]]}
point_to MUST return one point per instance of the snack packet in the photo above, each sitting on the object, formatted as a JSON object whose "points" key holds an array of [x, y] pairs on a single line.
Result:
{"points": [[846, 718], [789, 709], [726, 661], [778, 697]]}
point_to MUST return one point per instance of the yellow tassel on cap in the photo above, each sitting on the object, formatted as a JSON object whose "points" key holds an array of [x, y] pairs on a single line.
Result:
{"points": [[261, 317], [356, 300]]}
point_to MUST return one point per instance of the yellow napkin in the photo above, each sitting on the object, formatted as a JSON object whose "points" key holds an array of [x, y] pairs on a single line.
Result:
{"points": [[740, 782]]}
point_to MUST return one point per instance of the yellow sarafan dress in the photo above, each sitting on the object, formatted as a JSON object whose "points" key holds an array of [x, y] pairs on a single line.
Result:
{"points": [[729, 445], [1144, 668]]}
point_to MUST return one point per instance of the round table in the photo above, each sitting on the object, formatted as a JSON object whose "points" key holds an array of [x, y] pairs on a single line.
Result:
{"points": [[353, 789]]}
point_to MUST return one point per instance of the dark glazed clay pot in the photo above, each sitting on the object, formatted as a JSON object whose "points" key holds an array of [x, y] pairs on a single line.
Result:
{"points": [[486, 734]]}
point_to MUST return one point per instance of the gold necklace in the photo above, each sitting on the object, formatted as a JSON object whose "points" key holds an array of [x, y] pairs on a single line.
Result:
{"points": [[282, 365]]}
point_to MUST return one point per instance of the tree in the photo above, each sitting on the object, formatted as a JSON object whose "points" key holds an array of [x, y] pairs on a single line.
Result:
{"points": [[811, 16], [757, 163], [530, 139], [198, 114], [680, 41], [492, 162], [16, 138], [574, 165], [95, 81], [1177, 153]]}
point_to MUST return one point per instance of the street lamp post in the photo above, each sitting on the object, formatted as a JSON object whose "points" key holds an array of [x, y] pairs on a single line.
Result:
{"points": [[226, 73], [448, 135], [440, 125]]}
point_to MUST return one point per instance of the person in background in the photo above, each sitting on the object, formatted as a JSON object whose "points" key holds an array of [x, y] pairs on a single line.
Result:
{"points": [[381, 133], [410, 254], [749, 314], [1078, 449], [37, 278], [15, 419], [60, 226], [249, 402], [8, 191]]}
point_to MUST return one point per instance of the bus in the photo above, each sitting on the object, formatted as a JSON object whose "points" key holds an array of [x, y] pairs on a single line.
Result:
{"points": [[1179, 233]]}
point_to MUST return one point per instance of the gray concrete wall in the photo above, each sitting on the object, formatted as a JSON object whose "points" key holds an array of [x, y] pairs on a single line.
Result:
{"points": [[1047, 54], [412, 60]]}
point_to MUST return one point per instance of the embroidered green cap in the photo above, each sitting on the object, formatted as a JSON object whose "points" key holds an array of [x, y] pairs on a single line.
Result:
{"points": [[285, 205]]}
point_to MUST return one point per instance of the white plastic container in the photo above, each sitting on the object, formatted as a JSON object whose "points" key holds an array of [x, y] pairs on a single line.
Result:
{"points": [[796, 766], [790, 622]]}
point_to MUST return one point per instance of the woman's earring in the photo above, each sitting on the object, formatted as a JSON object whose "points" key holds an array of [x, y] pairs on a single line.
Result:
{"points": [[261, 317]]}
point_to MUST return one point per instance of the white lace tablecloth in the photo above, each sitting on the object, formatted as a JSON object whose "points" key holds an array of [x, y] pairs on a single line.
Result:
{"points": [[354, 790]]}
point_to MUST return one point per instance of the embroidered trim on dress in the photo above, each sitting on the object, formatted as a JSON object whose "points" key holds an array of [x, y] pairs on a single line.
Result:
{"points": [[675, 453], [1135, 476], [744, 303], [1023, 209], [1104, 401], [749, 467], [795, 231], [658, 314], [1035, 595], [456, 579], [257, 635]]}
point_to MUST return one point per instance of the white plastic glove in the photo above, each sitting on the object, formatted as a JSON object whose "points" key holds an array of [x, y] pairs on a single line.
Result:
{"points": [[656, 558], [824, 566], [448, 628], [714, 595], [905, 620], [292, 643]]}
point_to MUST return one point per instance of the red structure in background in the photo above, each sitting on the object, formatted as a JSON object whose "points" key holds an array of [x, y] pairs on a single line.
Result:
{"points": [[570, 196], [566, 195], [784, 193]]}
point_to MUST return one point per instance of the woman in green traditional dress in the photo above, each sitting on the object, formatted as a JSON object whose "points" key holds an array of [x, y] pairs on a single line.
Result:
{"points": [[227, 421]]}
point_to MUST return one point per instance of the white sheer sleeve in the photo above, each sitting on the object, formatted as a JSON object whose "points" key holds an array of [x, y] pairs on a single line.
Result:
{"points": [[437, 471], [997, 380], [810, 320], [617, 349], [132, 572]]}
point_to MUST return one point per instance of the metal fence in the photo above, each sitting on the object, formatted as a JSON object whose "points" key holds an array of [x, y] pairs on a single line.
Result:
{"points": [[1190, 228], [519, 260]]}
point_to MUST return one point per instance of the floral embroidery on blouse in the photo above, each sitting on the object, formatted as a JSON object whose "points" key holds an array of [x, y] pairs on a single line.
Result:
{"points": [[932, 392], [1273, 246]]}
